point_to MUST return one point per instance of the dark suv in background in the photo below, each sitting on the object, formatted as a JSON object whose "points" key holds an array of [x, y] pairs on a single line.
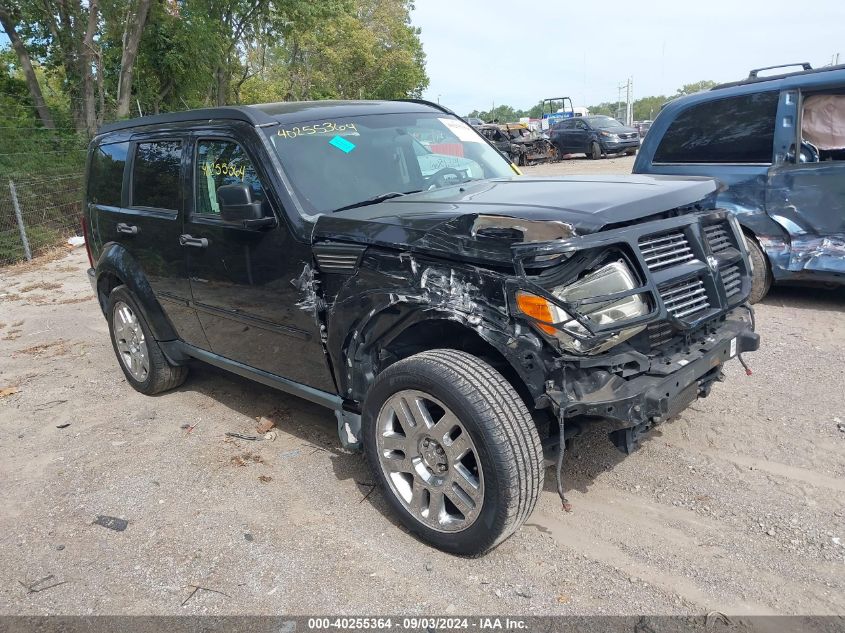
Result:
{"points": [[778, 145], [595, 136], [461, 322]]}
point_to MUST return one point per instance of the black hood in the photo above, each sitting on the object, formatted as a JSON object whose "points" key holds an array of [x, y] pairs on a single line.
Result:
{"points": [[446, 220]]}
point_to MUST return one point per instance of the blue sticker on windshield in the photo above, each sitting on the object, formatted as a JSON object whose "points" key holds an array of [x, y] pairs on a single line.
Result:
{"points": [[342, 144]]}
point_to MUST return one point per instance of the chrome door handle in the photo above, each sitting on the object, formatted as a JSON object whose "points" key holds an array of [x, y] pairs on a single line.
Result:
{"points": [[196, 242], [128, 229]]}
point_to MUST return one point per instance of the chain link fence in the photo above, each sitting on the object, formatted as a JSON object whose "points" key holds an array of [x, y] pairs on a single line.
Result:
{"points": [[38, 214], [41, 180]]}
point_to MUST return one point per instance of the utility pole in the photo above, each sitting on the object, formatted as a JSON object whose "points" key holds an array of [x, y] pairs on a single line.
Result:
{"points": [[625, 116]]}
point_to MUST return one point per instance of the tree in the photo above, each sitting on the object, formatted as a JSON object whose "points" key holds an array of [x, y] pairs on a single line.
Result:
{"points": [[9, 24], [697, 86], [136, 19]]}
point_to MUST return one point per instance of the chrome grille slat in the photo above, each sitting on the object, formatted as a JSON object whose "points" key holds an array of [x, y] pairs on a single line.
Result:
{"points": [[685, 298], [666, 249]]}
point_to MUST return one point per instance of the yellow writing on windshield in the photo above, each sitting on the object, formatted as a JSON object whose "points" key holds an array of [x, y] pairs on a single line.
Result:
{"points": [[329, 127]]}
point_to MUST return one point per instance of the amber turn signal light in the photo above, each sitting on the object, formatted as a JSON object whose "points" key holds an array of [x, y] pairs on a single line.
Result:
{"points": [[538, 309]]}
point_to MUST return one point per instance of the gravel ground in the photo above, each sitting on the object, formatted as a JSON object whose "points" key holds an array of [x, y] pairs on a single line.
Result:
{"points": [[737, 505]]}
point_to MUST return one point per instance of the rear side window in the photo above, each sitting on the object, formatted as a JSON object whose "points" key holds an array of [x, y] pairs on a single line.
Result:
{"points": [[732, 130], [155, 175], [105, 179]]}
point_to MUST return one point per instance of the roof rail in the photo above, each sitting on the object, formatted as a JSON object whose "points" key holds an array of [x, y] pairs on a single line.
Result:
{"points": [[753, 73], [754, 77], [248, 114]]}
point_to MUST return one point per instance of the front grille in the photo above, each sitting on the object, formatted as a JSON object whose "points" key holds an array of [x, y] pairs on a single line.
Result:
{"points": [[718, 237], [732, 280], [685, 298], [659, 333], [665, 249]]}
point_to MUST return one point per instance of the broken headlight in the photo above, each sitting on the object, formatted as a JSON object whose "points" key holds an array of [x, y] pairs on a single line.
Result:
{"points": [[607, 280]]}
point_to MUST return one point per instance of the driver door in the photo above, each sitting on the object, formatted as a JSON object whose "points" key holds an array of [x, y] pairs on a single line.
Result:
{"points": [[242, 278]]}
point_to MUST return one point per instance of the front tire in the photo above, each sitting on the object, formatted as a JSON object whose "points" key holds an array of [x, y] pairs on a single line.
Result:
{"points": [[138, 353], [595, 151], [455, 449], [761, 275]]}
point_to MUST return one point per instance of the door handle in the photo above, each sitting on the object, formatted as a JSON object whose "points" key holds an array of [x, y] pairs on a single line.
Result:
{"points": [[128, 229], [197, 242]]}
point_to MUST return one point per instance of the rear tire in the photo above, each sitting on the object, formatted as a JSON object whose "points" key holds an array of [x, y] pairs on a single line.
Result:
{"points": [[419, 408], [595, 151], [143, 363], [761, 275]]}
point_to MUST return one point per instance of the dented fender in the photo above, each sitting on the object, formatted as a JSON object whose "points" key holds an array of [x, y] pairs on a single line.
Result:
{"points": [[391, 292]]}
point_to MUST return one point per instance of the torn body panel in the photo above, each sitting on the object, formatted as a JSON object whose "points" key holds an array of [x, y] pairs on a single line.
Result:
{"points": [[395, 297]]}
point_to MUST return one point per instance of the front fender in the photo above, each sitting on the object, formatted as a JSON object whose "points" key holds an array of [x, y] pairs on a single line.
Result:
{"points": [[391, 294], [116, 261]]}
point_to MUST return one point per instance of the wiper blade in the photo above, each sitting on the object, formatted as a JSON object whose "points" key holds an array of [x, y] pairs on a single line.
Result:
{"points": [[376, 199]]}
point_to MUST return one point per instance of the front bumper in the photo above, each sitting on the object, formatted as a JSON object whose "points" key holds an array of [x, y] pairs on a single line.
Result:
{"points": [[616, 147], [668, 385]]}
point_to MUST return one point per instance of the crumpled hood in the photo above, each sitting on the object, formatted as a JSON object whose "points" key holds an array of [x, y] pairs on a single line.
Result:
{"points": [[447, 220]]}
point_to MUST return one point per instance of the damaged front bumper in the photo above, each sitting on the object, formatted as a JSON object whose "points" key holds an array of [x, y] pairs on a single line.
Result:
{"points": [[670, 382]]}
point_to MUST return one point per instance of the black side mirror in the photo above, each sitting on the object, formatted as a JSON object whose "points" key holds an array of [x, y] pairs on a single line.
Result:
{"points": [[237, 205]]}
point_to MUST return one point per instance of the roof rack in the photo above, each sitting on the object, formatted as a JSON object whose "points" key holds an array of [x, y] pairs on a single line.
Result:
{"points": [[754, 76], [754, 72], [237, 113]]}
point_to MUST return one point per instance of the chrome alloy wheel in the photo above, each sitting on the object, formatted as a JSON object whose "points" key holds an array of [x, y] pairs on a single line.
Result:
{"points": [[430, 461], [130, 341]]}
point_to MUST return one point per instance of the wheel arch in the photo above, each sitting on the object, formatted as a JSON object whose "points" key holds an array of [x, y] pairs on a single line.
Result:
{"points": [[116, 266], [519, 363]]}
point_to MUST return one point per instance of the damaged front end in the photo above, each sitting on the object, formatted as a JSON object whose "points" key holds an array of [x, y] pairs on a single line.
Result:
{"points": [[644, 316]]}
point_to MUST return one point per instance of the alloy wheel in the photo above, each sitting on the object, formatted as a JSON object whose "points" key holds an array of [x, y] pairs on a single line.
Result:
{"points": [[130, 341], [430, 461]]}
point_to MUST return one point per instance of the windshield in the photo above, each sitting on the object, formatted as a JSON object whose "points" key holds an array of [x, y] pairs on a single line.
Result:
{"points": [[603, 122], [335, 164]]}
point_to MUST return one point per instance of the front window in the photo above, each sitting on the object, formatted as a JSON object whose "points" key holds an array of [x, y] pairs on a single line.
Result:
{"points": [[221, 163], [338, 163]]}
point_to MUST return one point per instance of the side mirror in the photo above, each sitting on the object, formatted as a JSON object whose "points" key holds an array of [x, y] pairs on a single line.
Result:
{"points": [[237, 205]]}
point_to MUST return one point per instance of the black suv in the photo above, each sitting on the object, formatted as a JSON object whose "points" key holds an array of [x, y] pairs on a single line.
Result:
{"points": [[458, 320]]}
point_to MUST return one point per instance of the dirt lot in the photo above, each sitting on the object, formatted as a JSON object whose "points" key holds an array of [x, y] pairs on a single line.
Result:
{"points": [[738, 505]]}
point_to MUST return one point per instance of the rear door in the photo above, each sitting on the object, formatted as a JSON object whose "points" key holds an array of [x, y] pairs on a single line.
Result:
{"points": [[806, 185], [136, 191], [245, 281]]}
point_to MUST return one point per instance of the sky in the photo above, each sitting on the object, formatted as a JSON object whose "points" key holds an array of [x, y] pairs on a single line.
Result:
{"points": [[481, 52], [486, 52]]}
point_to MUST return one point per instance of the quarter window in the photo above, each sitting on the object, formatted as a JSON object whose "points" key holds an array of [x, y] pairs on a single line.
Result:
{"points": [[106, 178], [155, 177], [732, 130], [223, 163]]}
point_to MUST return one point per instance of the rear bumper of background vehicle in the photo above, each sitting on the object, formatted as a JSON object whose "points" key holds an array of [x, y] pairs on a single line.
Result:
{"points": [[666, 388]]}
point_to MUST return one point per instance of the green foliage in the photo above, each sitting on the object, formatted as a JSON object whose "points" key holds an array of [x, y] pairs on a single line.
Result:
{"points": [[645, 108], [698, 86]]}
